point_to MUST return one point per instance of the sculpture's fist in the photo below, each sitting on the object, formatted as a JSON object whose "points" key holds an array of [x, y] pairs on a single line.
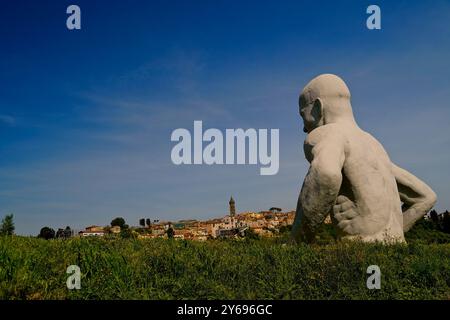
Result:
{"points": [[344, 211]]}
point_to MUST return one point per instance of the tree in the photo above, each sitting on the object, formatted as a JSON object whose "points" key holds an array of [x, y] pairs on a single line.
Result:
{"points": [[446, 222], [7, 227], [126, 233], [64, 233], [148, 222], [142, 222], [67, 232], [434, 216], [59, 233], [170, 233], [47, 233], [118, 222]]}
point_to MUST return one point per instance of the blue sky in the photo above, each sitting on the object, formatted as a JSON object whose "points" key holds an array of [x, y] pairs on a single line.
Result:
{"points": [[86, 116]]}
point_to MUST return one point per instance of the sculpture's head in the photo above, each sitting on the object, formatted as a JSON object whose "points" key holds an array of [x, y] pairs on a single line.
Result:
{"points": [[325, 99]]}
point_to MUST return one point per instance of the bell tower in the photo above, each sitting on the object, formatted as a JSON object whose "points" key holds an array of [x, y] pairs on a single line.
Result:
{"points": [[232, 207]]}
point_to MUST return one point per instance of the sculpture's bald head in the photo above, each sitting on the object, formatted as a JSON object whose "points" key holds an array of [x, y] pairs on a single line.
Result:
{"points": [[325, 99]]}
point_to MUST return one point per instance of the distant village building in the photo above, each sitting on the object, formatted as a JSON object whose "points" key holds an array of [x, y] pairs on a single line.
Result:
{"points": [[264, 223], [230, 226], [115, 229], [232, 207], [92, 231], [226, 233]]}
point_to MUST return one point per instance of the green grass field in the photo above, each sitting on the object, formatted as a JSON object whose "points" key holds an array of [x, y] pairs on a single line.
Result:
{"points": [[32, 268]]}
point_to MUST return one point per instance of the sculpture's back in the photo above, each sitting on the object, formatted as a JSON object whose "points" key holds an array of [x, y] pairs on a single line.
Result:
{"points": [[371, 187]]}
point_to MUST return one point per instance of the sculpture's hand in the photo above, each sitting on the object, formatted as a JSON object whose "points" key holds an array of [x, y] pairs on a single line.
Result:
{"points": [[345, 213]]}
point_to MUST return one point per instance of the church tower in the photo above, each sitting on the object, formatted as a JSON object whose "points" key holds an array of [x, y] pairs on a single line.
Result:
{"points": [[232, 207]]}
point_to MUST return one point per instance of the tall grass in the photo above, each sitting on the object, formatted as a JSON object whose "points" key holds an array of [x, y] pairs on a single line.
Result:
{"points": [[32, 268]]}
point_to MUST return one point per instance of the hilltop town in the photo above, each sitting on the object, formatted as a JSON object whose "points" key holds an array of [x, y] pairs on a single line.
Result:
{"points": [[263, 223]]}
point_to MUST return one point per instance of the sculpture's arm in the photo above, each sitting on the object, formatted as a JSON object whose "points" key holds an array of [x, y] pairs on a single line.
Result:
{"points": [[417, 197], [320, 188]]}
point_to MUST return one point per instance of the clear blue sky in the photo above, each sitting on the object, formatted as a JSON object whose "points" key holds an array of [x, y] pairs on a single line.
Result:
{"points": [[86, 116]]}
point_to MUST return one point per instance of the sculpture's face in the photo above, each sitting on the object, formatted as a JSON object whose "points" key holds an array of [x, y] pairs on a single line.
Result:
{"points": [[311, 113]]}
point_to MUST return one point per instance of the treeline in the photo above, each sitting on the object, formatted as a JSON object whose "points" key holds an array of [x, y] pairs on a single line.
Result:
{"points": [[7, 226], [126, 231], [433, 229], [49, 233], [440, 221]]}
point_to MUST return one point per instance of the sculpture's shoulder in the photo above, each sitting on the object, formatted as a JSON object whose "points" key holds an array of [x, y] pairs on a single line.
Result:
{"points": [[330, 132], [327, 137]]}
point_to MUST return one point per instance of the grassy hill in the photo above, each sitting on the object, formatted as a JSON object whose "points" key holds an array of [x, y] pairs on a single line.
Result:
{"points": [[32, 268]]}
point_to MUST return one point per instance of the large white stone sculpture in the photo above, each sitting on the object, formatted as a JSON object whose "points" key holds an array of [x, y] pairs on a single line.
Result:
{"points": [[351, 176]]}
